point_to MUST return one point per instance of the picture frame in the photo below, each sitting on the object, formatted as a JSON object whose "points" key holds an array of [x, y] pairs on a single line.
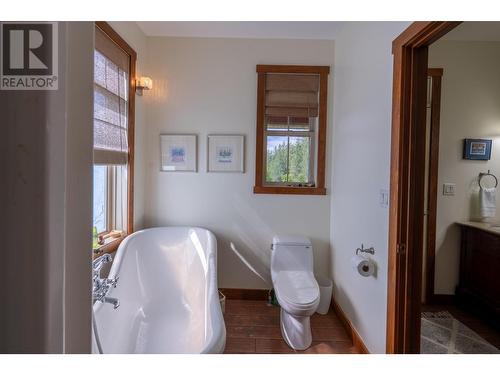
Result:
{"points": [[477, 149], [226, 153], [178, 152]]}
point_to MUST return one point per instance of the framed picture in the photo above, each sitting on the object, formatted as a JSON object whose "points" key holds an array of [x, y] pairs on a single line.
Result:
{"points": [[178, 153], [477, 149], [226, 153]]}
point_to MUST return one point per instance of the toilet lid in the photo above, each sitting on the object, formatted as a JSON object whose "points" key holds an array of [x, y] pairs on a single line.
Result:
{"points": [[297, 287]]}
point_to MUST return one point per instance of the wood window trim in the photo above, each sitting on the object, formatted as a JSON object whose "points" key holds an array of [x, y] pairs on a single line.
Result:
{"points": [[319, 189], [120, 42], [404, 282]]}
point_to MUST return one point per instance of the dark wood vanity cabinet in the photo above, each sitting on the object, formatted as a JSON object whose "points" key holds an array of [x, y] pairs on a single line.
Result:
{"points": [[479, 283]]}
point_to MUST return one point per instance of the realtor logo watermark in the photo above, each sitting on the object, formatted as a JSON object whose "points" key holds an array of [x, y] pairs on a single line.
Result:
{"points": [[28, 56]]}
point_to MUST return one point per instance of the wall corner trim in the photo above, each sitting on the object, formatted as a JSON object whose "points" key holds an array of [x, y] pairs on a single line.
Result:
{"points": [[351, 331]]}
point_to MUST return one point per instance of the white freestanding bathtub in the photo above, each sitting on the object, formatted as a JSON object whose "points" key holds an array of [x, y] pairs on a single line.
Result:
{"points": [[168, 295]]}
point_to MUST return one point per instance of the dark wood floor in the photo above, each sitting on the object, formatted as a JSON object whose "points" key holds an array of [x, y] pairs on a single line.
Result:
{"points": [[483, 329], [253, 327]]}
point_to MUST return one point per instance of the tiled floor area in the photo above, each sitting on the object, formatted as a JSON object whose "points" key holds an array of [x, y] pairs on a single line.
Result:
{"points": [[483, 329], [253, 327]]}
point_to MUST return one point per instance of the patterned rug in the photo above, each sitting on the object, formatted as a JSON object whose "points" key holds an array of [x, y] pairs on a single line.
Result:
{"points": [[443, 334]]}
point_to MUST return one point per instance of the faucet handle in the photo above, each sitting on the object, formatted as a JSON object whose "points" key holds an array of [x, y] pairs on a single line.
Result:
{"points": [[99, 262], [112, 282]]}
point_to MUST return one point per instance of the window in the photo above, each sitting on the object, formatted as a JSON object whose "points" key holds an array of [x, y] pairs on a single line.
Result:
{"points": [[114, 69], [100, 198], [289, 145], [291, 129]]}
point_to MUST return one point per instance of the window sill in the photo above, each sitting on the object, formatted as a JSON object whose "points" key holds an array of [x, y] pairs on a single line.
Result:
{"points": [[109, 247], [289, 190]]}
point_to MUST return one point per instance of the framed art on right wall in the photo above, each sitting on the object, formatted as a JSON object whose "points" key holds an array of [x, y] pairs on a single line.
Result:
{"points": [[226, 153], [477, 149]]}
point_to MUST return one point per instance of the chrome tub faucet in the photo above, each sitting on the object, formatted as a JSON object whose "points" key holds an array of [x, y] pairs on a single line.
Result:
{"points": [[101, 286]]}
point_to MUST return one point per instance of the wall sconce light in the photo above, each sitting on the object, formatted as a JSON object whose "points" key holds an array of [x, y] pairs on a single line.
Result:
{"points": [[143, 83]]}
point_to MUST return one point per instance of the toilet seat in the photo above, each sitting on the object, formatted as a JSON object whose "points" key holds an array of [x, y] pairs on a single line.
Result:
{"points": [[297, 292]]}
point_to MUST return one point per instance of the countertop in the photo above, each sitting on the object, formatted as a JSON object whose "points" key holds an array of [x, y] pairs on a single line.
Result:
{"points": [[493, 228]]}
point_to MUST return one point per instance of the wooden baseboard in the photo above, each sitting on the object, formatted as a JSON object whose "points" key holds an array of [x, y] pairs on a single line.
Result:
{"points": [[246, 294], [355, 337]]}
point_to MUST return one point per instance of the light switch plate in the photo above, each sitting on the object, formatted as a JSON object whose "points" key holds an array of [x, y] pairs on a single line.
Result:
{"points": [[449, 189], [384, 198]]}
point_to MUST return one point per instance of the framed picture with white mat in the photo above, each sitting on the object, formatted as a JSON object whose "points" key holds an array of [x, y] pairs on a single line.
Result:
{"points": [[226, 153], [178, 153]]}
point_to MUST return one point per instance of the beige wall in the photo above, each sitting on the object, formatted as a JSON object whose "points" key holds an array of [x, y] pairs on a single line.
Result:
{"points": [[470, 108], [362, 136], [204, 86]]}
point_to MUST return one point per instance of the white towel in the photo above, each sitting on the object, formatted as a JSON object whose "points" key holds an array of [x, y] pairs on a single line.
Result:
{"points": [[487, 202]]}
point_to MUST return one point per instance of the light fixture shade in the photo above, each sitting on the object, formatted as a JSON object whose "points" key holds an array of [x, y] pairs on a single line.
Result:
{"points": [[145, 83]]}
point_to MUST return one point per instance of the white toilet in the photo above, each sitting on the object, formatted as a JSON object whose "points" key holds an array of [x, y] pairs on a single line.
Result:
{"points": [[296, 288]]}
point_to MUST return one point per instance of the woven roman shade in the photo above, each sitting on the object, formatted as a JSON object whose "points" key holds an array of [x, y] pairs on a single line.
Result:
{"points": [[111, 86], [292, 95], [109, 49]]}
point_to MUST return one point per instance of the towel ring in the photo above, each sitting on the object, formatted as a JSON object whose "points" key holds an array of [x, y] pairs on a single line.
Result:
{"points": [[482, 174]]}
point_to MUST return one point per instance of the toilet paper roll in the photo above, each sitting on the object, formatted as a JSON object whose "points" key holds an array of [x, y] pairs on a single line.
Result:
{"points": [[364, 266]]}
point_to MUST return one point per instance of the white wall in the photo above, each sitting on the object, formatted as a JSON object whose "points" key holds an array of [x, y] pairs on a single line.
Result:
{"points": [[131, 33], [204, 86], [24, 250], [79, 112], [45, 162], [470, 108], [362, 137]]}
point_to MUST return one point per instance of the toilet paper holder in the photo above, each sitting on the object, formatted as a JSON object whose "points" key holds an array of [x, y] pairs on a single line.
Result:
{"points": [[370, 250]]}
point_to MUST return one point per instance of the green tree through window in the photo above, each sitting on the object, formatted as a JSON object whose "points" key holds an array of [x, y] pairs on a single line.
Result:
{"points": [[288, 160]]}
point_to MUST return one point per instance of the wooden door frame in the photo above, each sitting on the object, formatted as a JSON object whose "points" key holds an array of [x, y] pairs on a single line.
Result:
{"points": [[432, 184], [406, 210]]}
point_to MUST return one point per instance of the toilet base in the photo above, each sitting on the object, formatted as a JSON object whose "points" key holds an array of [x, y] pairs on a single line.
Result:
{"points": [[296, 330]]}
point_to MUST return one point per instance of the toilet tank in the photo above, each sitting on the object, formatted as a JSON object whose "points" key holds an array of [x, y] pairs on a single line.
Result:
{"points": [[291, 253]]}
